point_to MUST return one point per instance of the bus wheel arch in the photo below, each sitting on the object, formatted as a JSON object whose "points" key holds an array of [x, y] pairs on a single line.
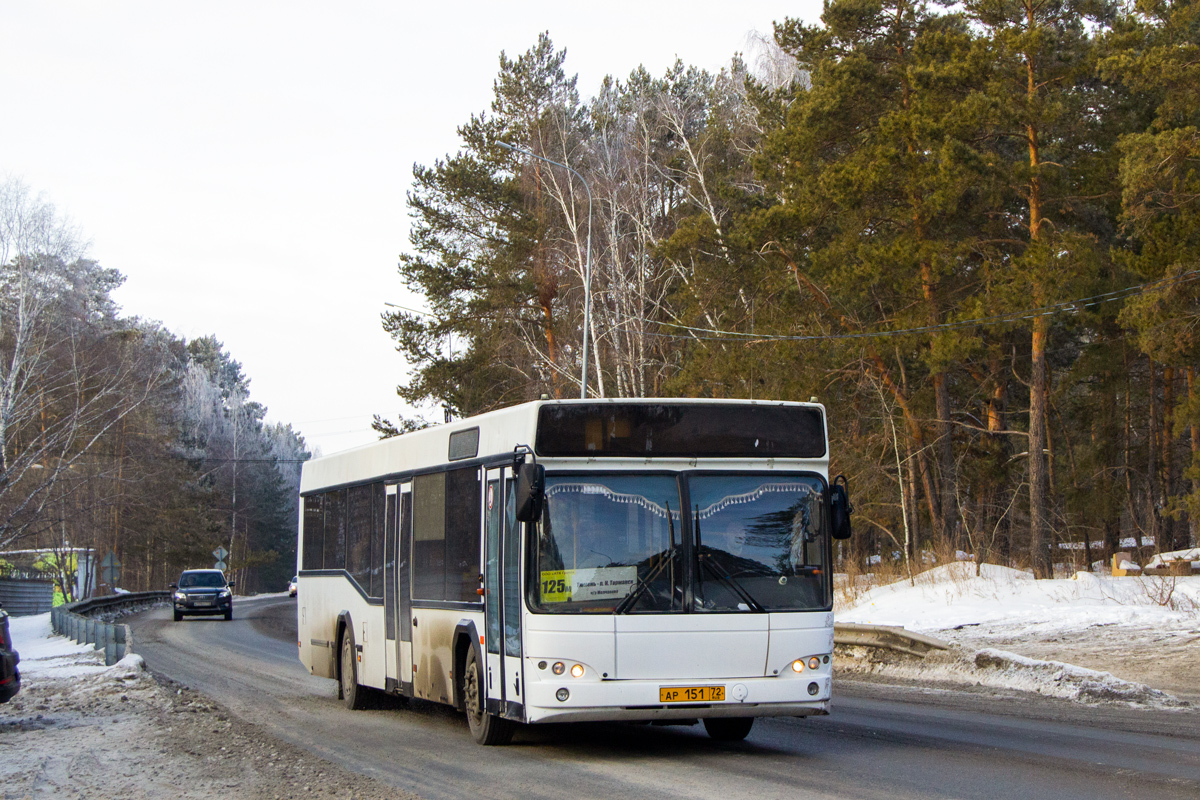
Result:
{"points": [[471, 687], [465, 639]]}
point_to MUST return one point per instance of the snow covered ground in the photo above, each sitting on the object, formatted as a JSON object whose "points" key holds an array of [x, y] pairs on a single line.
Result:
{"points": [[1088, 638], [44, 655], [78, 729]]}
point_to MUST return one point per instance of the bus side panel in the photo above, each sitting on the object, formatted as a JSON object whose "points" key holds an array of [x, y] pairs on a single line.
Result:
{"points": [[322, 599], [369, 632], [433, 651], [318, 626]]}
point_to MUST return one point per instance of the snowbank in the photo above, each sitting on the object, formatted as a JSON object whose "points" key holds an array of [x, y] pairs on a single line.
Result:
{"points": [[45, 654], [952, 596], [1116, 624], [1000, 669]]}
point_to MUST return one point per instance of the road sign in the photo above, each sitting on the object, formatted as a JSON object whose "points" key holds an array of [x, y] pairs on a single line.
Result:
{"points": [[220, 553], [110, 569], [219, 565]]}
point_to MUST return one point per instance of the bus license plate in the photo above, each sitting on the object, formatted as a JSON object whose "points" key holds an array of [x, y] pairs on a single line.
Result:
{"points": [[691, 694]]}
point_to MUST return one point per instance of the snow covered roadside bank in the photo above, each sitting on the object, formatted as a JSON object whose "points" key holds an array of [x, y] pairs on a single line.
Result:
{"points": [[79, 729], [1089, 639]]}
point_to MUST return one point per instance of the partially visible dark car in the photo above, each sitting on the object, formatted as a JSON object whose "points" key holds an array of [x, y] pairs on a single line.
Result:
{"points": [[203, 591], [10, 676]]}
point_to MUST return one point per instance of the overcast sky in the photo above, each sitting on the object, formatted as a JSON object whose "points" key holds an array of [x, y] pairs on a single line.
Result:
{"points": [[245, 164]]}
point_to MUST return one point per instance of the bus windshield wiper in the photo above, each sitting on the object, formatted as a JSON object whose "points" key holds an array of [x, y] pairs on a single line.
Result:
{"points": [[631, 598], [731, 583], [727, 580]]}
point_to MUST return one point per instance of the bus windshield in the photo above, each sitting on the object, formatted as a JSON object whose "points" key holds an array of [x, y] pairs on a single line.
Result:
{"points": [[627, 543]]}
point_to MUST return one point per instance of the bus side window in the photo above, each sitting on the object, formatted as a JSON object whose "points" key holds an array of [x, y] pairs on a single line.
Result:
{"points": [[335, 529], [463, 535], [358, 535], [429, 537], [378, 534], [447, 536], [314, 532]]}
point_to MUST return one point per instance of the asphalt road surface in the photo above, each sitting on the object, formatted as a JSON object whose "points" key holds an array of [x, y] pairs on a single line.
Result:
{"points": [[880, 741]]}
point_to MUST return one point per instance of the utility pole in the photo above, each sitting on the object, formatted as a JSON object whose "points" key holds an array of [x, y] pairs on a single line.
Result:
{"points": [[237, 415]]}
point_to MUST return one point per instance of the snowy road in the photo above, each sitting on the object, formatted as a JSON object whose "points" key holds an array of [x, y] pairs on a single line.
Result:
{"points": [[880, 742]]}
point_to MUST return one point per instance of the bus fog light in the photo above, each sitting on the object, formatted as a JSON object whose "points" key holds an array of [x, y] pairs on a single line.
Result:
{"points": [[559, 668], [577, 670], [798, 665], [813, 688], [563, 694], [814, 662]]}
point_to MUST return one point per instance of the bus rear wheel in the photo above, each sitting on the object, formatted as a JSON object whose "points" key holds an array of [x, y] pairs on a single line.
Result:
{"points": [[353, 694], [486, 729], [729, 729]]}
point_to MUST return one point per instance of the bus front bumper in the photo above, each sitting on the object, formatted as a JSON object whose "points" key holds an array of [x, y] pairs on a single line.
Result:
{"points": [[628, 700]]}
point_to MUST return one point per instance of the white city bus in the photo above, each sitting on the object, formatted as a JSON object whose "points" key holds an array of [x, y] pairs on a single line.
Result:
{"points": [[643, 560]]}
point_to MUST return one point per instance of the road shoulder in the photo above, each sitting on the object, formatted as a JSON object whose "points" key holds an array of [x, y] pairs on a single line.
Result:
{"points": [[123, 732]]}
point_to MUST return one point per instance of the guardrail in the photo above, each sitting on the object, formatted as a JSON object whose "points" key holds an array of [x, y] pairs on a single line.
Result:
{"points": [[888, 637], [83, 622]]}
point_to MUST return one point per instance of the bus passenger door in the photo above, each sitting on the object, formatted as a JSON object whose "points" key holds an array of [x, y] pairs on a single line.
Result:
{"points": [[493, 679], [404, 589], [511, 605], [391, 650]]}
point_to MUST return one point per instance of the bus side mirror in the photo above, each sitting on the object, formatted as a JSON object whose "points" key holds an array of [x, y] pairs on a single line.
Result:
{"points": [[839, 511], [531, 483]]}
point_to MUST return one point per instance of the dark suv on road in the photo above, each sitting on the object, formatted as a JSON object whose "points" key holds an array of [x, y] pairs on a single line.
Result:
{"points": [[203, 591], [10, 676]]}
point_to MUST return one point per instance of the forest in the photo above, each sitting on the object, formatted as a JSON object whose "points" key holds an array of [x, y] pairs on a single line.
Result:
{"points": [[119, 437], [968, 229]]}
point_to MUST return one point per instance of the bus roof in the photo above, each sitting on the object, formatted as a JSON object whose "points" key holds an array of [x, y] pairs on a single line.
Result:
{"points": [[498, 433]]}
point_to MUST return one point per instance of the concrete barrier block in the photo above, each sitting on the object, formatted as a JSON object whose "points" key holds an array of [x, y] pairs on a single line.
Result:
{"points": [[89, 632]]}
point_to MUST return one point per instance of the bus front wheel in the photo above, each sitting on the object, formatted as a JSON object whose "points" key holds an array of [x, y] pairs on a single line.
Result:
{"points": [[486, 728], [729, 729]]}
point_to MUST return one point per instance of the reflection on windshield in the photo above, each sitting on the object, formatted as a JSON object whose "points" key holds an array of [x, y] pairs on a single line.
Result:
{"points": [[606, 537], [622, 543], [758, 543], [202, 580]]}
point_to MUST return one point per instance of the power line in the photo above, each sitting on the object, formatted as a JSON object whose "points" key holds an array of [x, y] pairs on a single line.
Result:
{"points": [[1013, 316], [206, 459]]}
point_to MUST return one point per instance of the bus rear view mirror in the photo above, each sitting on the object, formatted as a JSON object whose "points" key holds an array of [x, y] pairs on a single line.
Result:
{"points": [[839, 510], [531, 483]]}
